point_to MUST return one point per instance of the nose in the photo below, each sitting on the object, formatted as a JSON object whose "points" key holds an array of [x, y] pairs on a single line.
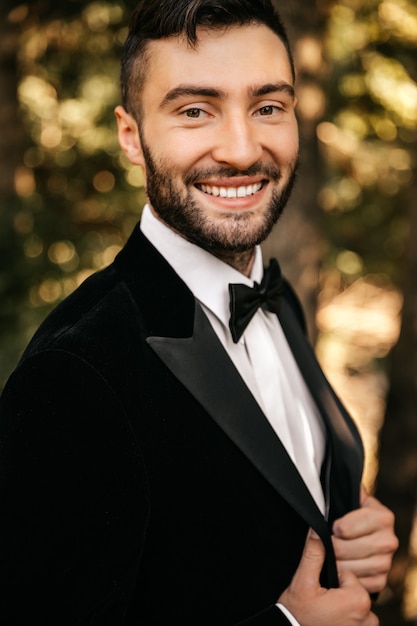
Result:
{"points": [[238, 143]]}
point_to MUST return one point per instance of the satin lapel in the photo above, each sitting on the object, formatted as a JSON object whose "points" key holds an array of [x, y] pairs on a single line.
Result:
{"points": [[204, 368], [346, 447]]}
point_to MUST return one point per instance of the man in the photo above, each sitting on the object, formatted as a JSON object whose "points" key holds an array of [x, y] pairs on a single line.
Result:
{"points": [[160, 463]]}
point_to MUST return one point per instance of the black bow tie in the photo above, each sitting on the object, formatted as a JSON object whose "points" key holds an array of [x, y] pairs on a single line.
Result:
{"points": [[245, 301]]}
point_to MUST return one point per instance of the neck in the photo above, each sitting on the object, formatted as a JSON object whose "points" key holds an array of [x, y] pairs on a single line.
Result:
{"points": [[240, 261]]}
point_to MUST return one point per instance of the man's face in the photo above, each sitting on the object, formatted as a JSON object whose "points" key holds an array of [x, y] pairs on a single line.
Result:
{"points": [[218, 136]]}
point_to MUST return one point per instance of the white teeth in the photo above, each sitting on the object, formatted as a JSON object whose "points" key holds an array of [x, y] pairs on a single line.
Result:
{"points": [[231, 192]]}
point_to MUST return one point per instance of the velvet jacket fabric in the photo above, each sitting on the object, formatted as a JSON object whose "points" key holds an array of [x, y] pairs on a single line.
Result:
{"points": [[141, 483]]}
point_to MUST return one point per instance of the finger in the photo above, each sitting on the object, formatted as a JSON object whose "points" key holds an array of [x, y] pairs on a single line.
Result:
{"points": [[347, 550], [374, 566], [373, 584], [382, 543], [371, 517], [311, 563]]}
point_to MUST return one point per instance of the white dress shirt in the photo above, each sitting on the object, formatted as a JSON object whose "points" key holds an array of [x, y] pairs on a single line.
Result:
{"points": [[262, 356]]}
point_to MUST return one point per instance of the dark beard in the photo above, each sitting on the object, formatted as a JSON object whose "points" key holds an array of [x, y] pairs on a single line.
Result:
{"points": [[235, 234]]}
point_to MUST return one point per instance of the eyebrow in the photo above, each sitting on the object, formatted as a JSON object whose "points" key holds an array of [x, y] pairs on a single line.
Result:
{"points": [[189, 90], [281, 87], [209, 92]]}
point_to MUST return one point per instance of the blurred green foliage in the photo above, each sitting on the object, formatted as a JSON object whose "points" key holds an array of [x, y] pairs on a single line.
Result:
{"points": [[369, 137], [77, 198]]}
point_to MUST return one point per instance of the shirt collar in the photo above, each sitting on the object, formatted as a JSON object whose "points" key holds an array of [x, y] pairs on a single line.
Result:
{"points": [[205, 275]]}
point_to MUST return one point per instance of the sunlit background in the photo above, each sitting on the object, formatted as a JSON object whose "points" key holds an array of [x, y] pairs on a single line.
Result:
{"points": [[74, 198]]}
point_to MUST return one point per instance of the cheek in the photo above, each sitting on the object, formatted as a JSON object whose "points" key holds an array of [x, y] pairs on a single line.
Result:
{"points": [[178, 154], [184, 148], [189, 149], [287, 146]]}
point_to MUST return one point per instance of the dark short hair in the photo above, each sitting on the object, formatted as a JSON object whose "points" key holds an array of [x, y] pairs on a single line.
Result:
{"points": [[159, 19]]}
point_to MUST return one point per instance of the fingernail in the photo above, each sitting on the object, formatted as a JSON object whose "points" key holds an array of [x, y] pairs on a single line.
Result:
{"points": [[313, 534], [336, 530]]}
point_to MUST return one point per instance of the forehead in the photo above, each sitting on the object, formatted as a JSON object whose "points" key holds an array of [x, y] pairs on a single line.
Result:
{"points": [[229, 60]]}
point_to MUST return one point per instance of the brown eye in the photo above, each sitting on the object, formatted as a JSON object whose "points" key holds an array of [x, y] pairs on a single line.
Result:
{"points": [[193, 113], [266, 110]]}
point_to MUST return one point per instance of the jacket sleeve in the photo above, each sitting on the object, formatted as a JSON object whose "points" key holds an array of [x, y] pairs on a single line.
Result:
{"points": [[73, 496]]}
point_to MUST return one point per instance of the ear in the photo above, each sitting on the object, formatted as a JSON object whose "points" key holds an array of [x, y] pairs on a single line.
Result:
{"points": [[128, 134]]}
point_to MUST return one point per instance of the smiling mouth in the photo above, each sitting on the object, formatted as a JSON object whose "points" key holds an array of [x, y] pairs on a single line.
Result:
{"points": [[243, 191]]}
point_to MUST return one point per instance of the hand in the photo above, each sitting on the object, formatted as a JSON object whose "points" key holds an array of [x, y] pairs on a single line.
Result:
{"points": [[313, 605], [364, 543]]}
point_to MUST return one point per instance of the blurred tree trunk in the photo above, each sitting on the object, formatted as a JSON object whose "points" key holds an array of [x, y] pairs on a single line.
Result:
{"points": [[397, 482], [297, 239]]}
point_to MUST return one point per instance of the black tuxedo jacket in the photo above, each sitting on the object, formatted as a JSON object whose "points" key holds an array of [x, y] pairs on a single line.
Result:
{"points": [[140, 481]]}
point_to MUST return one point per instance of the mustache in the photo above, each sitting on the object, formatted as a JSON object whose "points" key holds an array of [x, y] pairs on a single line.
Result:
{"points": [[266, 170]]}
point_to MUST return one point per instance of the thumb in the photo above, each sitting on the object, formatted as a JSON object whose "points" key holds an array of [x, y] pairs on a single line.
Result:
{"points": [[312, 560]]}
